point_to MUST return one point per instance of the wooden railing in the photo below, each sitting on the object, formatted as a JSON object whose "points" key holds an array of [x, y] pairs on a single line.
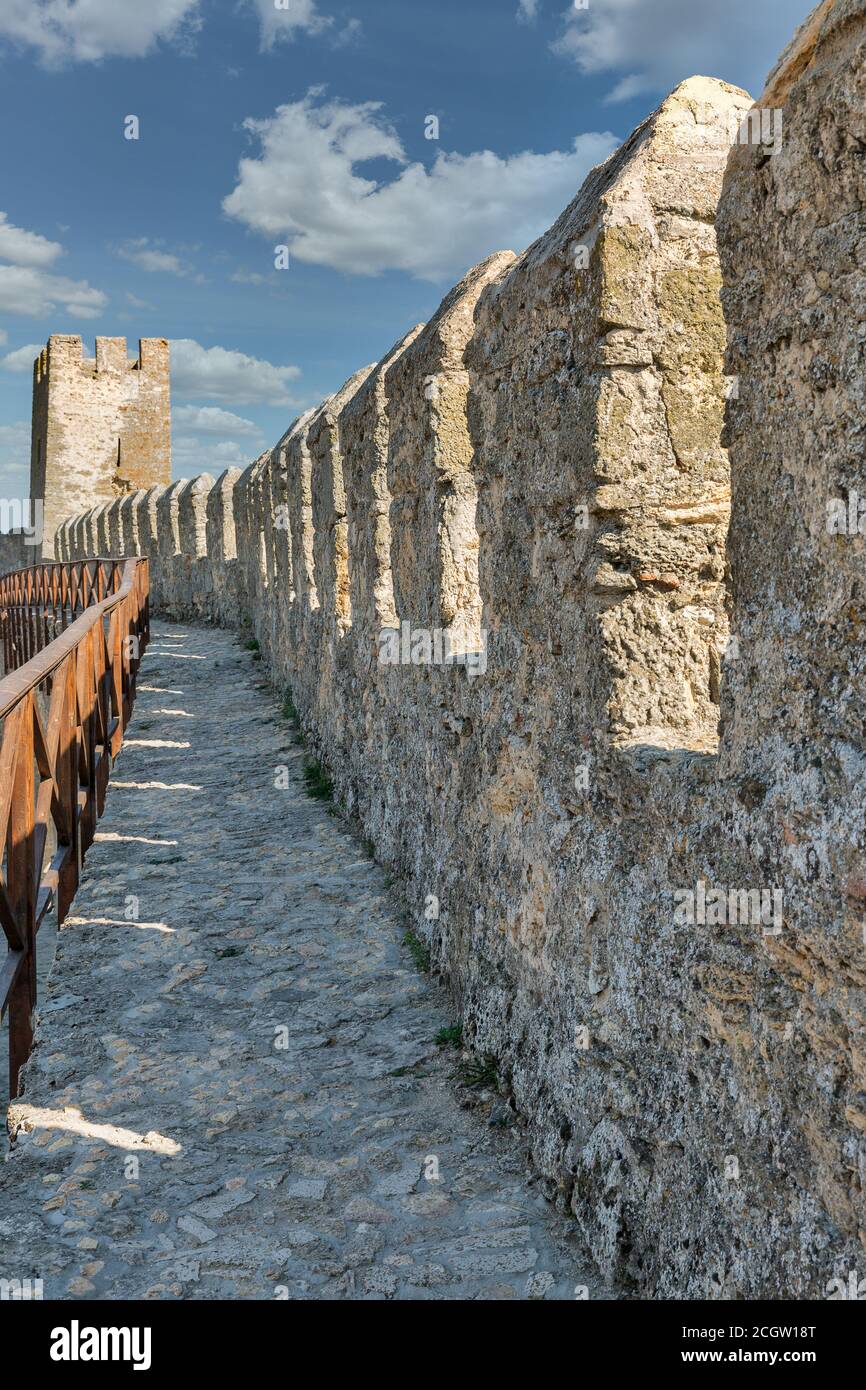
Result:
{"points": [[73, 636]]}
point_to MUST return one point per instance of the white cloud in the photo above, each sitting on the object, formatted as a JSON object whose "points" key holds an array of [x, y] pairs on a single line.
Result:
{"points": [[21, 360], [26, 248], [284, 24], [4, 336], [434, 223], [347, 36], [248, 277], [527, 11], [210, 419], [148, 256], [655, 46], [33, 292], [27, 287], [225, 375], [193, 454], [205, 437], [87, 30]]}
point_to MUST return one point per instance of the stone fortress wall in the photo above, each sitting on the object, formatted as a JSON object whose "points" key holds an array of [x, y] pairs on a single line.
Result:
{"points": [[101, 426], [628, 816]]}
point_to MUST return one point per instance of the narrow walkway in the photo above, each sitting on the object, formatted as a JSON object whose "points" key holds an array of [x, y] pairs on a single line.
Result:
{"points": [[236, 1091]]}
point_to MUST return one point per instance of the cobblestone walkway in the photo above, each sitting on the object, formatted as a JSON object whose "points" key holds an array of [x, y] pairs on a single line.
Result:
{"points": [[236, 1091]]}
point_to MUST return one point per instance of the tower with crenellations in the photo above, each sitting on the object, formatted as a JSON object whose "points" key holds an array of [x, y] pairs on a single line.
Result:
{"points": [[101, 425]]}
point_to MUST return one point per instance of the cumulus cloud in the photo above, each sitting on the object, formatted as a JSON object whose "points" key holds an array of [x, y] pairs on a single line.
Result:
{"points": [[652, 47], [349, 34], [192, 454], [37, 294], [21, 360], [248, 277], [222, 374], [26, 248], [210, 419], [292, 18], [305, 187], [205, 437], [150, 257], [86, 31], [28, 287]]}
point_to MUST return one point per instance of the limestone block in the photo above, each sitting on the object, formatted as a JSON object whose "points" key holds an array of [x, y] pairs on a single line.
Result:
{"points": [[79, 532], [113, 527], [303, 614], [192, 515], [167, 517], [103, 543], [148, 521], [435, 543], [61, 542], [328, 496], [93, 517], [220, 534], [364, 434], [129, 509]]}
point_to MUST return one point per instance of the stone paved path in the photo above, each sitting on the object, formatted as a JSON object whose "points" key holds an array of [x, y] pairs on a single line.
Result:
{"points": [[238, 1094]]}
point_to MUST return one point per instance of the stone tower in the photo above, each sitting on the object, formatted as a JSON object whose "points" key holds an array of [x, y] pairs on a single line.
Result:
{"points": [[101, 426]]}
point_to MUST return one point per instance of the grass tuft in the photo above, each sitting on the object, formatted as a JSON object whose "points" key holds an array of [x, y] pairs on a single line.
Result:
{"points": [[452, 1036], [292, 716], [418, 950], [480, 1071], [317, 782]]}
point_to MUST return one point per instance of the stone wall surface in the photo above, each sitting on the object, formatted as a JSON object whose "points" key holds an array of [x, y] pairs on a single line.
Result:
{"points": [[494, 572]]}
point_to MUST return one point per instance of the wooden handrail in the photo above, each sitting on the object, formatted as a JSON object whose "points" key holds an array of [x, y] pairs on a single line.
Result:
{"points": [[73, 637]]}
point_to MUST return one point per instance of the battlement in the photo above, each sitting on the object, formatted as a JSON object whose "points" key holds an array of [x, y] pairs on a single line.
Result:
{"points": [[64, 352]]}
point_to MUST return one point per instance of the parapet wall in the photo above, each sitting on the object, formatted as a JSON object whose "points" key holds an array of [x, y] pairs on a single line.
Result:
{"points": [[493, 572]]}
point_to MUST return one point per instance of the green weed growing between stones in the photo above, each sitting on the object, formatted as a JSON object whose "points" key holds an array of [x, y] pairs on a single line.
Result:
{"points": [[317, 782], [480, 1071], [418, 950]]}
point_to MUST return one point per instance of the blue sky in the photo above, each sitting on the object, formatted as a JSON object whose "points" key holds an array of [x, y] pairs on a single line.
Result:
{"points": [[302, 123]]}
